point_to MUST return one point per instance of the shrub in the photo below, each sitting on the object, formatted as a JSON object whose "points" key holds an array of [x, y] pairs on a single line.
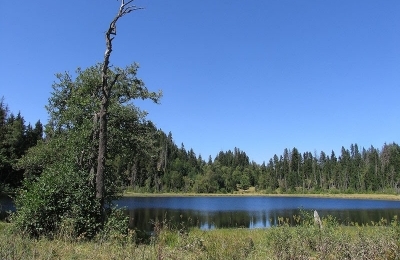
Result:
{"points": [[116, 227], [60, 197]]}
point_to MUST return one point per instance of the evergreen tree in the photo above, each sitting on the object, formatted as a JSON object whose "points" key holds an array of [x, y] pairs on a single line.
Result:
{"points": [[295, 163], [15, 139]]}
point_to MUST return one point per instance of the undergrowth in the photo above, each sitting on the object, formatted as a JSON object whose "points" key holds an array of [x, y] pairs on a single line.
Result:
{"points": [[304, 240]]}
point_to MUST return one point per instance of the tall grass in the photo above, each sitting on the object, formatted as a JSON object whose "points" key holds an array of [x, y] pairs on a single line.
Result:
{"points": [[303, 241]]}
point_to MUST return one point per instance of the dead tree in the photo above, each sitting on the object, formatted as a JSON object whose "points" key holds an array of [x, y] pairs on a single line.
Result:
{"points": [[106, 87]]}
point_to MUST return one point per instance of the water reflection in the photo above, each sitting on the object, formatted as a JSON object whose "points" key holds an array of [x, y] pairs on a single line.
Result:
{"points": [[144, 218], [242, 212], [6, 203], [249, 212]]}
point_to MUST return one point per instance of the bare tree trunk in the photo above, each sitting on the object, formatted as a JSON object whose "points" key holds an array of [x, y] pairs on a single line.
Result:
{"points": [[106, 87]]}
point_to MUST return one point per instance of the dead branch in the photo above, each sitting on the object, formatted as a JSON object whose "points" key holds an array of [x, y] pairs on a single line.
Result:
{"points": [[124, 9]]}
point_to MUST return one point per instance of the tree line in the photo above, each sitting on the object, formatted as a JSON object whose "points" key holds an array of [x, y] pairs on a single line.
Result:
{"points": [[150, 161], [353, 170]]}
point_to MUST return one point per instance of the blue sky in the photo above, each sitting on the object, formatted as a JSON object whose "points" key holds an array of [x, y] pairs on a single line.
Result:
{"points": [[258, 75]]}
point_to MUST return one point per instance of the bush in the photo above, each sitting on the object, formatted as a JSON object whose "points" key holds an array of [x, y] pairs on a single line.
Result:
{"points": [[59, 198], [115, 226]]}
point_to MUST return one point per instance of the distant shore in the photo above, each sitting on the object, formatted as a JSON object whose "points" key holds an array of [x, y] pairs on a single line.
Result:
{"points": [[326, 195]]}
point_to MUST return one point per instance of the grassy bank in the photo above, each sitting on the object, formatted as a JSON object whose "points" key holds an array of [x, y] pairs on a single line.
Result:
{"points": [[305, 241], [375, 196]]}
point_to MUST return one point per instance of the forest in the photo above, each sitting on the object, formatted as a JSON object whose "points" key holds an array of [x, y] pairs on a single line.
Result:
{"points": [[163, 166]]}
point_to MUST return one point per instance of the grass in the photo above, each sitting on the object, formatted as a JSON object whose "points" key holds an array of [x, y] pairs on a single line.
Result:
{"points": [[304, 241]]}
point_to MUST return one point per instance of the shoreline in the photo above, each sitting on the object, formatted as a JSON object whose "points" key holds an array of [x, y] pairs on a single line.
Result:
{"points": [[315, 195]]}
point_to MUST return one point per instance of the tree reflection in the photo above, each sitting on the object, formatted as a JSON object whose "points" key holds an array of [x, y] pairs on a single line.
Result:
{"points": [[144, 218]]}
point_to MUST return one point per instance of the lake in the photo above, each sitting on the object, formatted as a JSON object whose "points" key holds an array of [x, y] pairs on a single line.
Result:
{"points": [[245, 212], [249, 212]]}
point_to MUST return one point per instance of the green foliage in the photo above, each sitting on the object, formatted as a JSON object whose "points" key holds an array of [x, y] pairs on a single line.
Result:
{"points": [[354, 171], [59, 191], [115, 227], [15, 138], [44, 154], [60, 196]]}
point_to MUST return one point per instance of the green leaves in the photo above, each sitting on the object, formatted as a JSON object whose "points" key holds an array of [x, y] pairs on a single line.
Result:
{"points": [[15, 139], [60, 193], [60, 185]]}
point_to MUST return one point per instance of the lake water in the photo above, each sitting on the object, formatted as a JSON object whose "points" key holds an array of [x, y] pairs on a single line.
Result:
{"points": [[247, 212]]}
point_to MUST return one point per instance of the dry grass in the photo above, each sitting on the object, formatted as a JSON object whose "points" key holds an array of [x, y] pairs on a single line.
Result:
{"points": [[305, 241]]}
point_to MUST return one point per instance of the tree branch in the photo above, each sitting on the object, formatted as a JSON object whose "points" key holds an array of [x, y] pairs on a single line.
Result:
{"points": [[124, 9]]}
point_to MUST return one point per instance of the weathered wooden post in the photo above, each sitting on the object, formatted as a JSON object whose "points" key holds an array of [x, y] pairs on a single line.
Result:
{"points": [[317, 219]]}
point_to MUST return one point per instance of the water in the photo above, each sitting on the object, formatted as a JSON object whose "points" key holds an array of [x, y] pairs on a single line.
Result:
{"points": [[6, 204], [247, 212]]}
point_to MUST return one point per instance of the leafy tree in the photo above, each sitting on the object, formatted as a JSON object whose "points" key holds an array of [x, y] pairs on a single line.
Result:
{"points": [[208, 182], [71, 134], [245, 181], [92, 122]]}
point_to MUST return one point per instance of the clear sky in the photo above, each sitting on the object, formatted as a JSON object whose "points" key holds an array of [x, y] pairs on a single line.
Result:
{"points": [[258, 75]]}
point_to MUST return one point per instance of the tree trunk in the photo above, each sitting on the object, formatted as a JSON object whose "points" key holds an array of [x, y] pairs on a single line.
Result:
{"points": [[106, 87], [101, 159]]}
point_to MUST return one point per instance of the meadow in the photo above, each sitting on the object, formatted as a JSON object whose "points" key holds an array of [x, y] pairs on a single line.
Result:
{"points": [[305, 240]]}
